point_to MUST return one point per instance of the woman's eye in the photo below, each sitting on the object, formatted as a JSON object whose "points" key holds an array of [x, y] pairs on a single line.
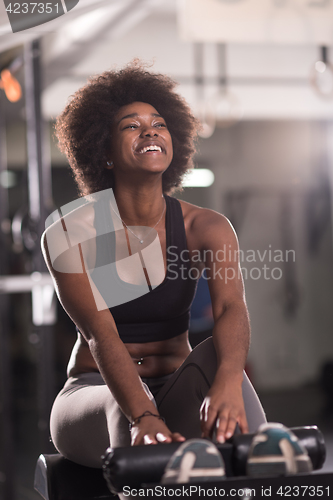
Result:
{"points": [[131, 126], [160, 125]]}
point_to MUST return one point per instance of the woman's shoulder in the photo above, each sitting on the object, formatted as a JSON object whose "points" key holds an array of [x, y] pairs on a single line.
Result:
{"points": [[66, 231], [76, 222], [204, 224], [198, 218]]}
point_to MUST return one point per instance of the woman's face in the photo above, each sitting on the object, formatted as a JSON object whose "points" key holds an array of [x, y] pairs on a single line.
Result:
{"points": [[141, 141]]}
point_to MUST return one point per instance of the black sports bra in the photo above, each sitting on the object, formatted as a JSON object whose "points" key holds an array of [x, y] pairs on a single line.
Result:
{"points": [[164, 311]]}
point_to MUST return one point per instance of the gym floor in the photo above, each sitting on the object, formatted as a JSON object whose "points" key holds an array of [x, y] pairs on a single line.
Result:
{"points": [[304, 406]]}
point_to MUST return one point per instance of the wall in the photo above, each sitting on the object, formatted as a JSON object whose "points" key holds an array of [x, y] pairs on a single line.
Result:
{"points": [[271, 180]]}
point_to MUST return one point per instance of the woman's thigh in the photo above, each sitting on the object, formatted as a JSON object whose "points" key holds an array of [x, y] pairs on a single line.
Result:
{"points": [[86, 419], [180, 399]]}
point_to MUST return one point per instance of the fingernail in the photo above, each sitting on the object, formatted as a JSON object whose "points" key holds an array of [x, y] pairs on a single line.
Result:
{"points": [[220, 439], [228, 435], [160, 437]]}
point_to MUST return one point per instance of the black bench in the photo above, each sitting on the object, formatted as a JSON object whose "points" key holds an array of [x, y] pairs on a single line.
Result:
{"points": [[57, 478]]}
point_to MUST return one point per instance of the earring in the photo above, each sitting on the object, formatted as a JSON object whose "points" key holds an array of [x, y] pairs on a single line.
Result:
{"points": [[109, 163]]}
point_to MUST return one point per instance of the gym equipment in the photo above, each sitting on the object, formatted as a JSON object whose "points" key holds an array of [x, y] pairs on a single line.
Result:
{"points": [[30, 225], [195, 461], [133, 466], [6, 390], [275, 450], [57, 478]]}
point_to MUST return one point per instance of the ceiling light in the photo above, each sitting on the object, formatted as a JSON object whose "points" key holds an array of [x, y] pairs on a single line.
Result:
{"points": [[10, 85]]}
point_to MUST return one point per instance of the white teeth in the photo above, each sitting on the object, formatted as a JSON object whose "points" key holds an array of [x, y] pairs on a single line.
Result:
{"points": [[150, 148]]}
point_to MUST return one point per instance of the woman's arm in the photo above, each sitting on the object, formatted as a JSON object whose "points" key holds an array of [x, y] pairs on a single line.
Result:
{"points": [[224, 407], [113, 360]]}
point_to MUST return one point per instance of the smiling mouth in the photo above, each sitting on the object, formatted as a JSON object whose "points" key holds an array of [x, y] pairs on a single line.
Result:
{"points": [[150, 149]]}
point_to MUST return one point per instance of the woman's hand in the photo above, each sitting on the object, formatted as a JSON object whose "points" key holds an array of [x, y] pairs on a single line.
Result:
{"points": [[151, 430], [223, 408]]}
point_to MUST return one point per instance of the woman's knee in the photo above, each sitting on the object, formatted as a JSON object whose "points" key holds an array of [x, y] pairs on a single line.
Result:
{"points": [[204, 357], [254, 411]]}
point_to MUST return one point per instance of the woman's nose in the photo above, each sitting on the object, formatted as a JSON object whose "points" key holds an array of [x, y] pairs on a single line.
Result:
{"points": [[150, 132]]}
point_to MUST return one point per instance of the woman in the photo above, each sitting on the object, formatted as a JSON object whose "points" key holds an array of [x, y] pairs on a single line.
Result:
{"points": [[132, 362]]}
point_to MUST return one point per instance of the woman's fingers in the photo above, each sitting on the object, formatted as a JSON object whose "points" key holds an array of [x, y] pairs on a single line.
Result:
{"points": [[224, 420], [173, 437], [176, 436], [243, 425], [208, 416], [225, 426], [147, 439], [160, 437]]}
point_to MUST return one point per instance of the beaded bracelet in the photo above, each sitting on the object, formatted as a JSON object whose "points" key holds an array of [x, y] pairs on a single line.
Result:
{"points": [[147, 413]]}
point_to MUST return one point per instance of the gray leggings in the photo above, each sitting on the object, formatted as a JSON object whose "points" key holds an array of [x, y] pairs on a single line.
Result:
{"points": [[86, 419]]}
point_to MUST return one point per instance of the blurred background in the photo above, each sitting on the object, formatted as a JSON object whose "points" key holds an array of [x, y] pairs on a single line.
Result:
{"points": [[258, 75]]}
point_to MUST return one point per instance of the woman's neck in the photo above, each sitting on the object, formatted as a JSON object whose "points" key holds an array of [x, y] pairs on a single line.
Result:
{"points": [[140, 206]]}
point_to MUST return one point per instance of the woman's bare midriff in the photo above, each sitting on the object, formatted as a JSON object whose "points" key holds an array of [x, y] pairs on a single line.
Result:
{"points": [[156, 359]]}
